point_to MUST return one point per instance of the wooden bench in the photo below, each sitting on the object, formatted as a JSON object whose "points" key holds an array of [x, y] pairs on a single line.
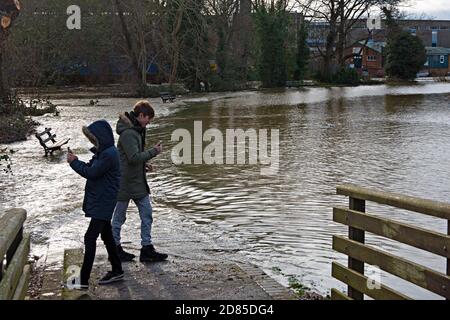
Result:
{"points": [[167, 96], [55, 145], [15, 245]]}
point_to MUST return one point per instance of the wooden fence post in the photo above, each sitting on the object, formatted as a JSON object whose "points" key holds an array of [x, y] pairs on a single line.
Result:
{"points": [[1, 267], [14, 245], [356, 235]]}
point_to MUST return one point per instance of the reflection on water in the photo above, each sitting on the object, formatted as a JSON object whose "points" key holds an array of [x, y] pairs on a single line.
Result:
{"points": [[391, 138]]}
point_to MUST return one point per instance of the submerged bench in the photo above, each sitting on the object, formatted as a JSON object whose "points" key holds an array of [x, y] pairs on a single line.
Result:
{"points": [[167, 96], [49, 143]]}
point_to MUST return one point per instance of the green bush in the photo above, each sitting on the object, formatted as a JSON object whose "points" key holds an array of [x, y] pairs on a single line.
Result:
{"points": [[271, 26], [149, 91], [405, 56], [252, 74], [15, 127], [346, 77], [216, 83], [15, 121]]}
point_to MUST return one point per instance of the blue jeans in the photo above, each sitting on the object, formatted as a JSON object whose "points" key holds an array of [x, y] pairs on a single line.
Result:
{"points": [[145, 212]]}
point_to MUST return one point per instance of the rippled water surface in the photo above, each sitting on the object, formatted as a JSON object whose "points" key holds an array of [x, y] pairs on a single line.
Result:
{"points": [[390, 138]]}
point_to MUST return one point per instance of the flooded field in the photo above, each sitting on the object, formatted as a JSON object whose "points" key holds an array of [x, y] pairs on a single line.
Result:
{"points": [[390, 138]]}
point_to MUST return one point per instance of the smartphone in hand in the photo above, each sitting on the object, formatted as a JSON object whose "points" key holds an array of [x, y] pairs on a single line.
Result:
{"points": [[158, 147]]}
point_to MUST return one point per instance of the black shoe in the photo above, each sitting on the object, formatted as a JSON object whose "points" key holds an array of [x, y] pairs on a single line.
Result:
{"points": [[123, 255], [149, 254], [111, 277]]}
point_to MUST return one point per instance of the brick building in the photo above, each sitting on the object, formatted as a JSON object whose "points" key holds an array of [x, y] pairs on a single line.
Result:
{"points": [[435, 35]]}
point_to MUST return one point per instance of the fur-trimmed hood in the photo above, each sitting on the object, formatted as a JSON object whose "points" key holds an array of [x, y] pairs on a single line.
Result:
{"points": [[128, 121], [100, 134]]}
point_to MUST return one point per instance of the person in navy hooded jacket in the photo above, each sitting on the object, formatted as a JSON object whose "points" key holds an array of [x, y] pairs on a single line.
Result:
{"points": [[100, 197]]}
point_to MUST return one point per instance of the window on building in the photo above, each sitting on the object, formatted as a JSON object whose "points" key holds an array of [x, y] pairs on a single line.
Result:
{"points": [[371, 58], [356, 50], [434, 39], [435, 28], [442, 59]]}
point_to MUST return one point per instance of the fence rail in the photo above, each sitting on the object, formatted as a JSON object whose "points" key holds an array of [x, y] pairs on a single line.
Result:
{"points": [[360, 222], [14, 250]]}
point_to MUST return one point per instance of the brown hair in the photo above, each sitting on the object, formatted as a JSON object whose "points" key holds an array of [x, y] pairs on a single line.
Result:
{"points": [[144, 107]]}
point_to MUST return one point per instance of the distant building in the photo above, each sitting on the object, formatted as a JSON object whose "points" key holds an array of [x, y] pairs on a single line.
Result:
{"points": [[437, 64], [368, 58], [433, 33], [368, 48]]}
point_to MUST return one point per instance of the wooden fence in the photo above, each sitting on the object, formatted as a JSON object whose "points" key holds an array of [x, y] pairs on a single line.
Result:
{"points": [[359, 222], [14, 250]]}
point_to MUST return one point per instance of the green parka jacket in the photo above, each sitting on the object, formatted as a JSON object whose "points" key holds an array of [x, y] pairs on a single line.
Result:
{"points": [[133, 157]]}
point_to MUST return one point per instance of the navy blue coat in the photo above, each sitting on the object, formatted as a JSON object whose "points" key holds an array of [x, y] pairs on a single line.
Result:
{"points": [[102, 172]]}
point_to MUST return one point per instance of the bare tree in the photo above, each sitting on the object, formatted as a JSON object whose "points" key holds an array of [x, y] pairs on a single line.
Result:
{"points": [[131, 44], [339, 16], [185, 40], [9, 10], [142, 27], [175, 42], [157, 32], [223, 14]]}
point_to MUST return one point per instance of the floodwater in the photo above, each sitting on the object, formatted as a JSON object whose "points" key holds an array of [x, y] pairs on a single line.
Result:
{"points": [[392, 138]]}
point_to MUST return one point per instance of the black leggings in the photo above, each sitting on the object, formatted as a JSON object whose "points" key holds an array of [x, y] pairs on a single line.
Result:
{"points": [[95, 228]]}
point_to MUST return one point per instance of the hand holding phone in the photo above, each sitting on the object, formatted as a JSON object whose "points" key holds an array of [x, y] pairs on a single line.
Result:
{"points": [[70, 156], [158, 147]]}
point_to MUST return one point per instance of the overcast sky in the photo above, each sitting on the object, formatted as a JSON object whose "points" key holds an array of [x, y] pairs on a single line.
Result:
{"points": [[439, 9]]}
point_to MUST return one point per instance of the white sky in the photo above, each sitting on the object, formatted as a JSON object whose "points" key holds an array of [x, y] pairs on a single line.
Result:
{"points": [[439, 9]]}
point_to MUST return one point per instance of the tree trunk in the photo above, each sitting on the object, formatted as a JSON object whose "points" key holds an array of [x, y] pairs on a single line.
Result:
{"points": [[175, 61], [175, 47], [127, 35], [144, 73], [341, 36], [240, 37], [10, 10], [329, 52], [4, 90]]}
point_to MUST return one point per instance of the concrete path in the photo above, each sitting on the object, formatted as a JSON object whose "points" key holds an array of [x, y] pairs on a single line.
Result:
{"points": [[178, 278], [198, 268]]}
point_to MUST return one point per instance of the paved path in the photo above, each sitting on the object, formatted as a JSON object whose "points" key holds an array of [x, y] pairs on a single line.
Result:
{"points": [[198, 268], [178, 278]]}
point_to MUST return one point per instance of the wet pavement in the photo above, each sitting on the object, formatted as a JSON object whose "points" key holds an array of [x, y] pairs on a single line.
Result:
{"points": [[186, 279], [198, 268], [178, 278]]}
